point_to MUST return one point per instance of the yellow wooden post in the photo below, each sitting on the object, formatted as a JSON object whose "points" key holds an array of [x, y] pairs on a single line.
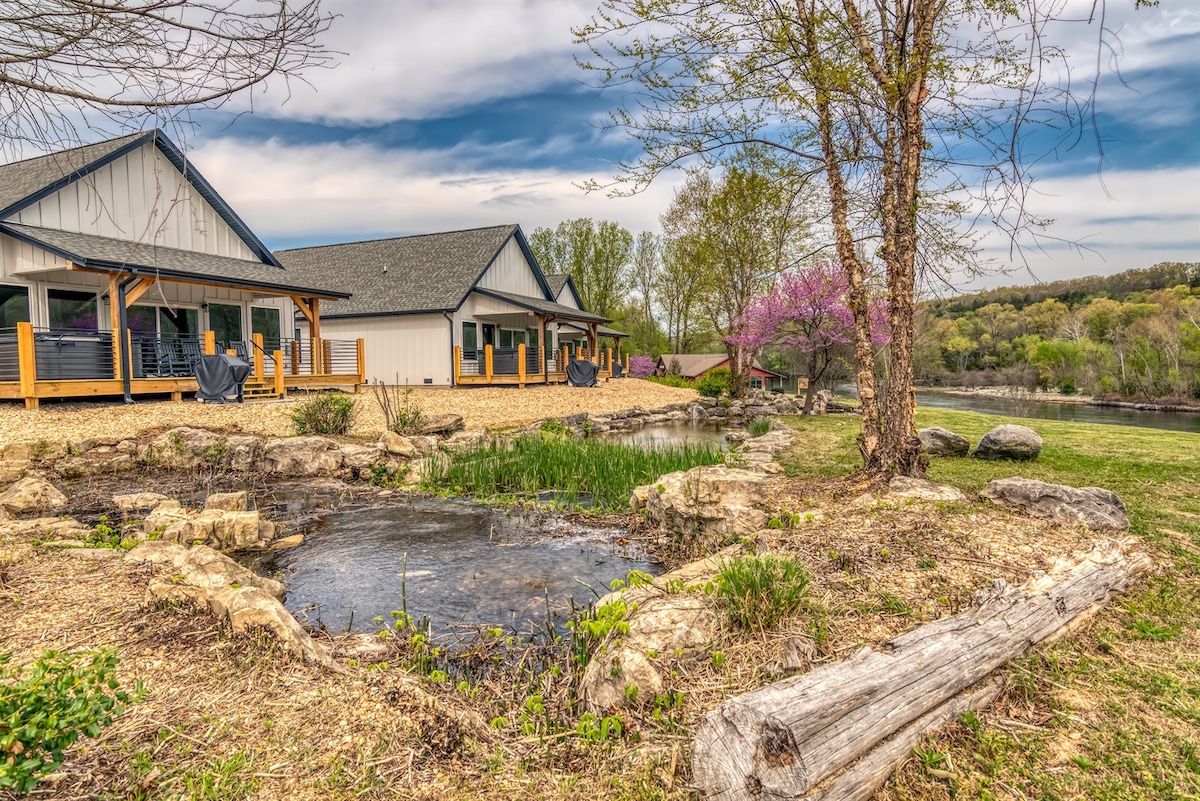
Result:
{"points": [[314, 356], [609, 361], [361, 351], [114, 316], [457, 364], [487, 362], [295, 357], [626, 364], [521, 366], [27, 364], [230, 352], [280, 389], [257, 339], [326, 357], [210, 343]]}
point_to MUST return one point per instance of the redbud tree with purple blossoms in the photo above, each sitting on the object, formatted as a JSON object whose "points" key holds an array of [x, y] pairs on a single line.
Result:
{"points": [[807, 312]]}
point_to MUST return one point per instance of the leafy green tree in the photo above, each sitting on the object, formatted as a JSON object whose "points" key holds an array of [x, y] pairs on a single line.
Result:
{"points": [[596, 256]]}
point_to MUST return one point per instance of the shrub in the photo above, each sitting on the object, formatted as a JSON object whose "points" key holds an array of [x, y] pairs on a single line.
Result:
{"points": [[715, 383], [328, 413], [759, 591], [641, 366], [758, 426], [671, 381], [42, 712], [401, 413], [1067, 386]]}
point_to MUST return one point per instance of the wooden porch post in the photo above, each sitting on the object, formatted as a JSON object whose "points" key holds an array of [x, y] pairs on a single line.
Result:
{"points": [[210, 342], [541, 346], [608, 361], [326, 357], [114, 318], [521, 366], [27, 364], [257, 339], [361, 348], [280, 389], [295, 357], [457, 364], [487, 362]]}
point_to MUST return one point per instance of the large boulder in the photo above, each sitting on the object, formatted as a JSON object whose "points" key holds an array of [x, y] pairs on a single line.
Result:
{"points": [[228, 501], [439, 425], [922, 490], [201, 566], [137, 502], [1017, 443], [302, 456], [1096, 508], [31, 495], [708, 504], [396, 444], [942, 442]]}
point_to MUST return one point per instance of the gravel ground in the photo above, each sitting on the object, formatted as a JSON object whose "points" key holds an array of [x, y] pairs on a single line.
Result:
{"points": [[481, 407]]}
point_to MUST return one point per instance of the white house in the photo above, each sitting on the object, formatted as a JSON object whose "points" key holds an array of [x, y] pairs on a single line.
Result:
{"points": [[130, 225], [417, 301]]}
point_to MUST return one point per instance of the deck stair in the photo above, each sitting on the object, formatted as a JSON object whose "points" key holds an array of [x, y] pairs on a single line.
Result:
{"points": [[258, 389]]}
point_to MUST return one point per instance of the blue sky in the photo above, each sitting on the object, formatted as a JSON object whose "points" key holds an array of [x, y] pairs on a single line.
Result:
{"points": [[455, 115]]}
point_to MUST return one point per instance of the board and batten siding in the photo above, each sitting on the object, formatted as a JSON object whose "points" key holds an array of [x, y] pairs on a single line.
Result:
{"points": [[566, 298], [408, 348], [511, 272], [143, 198]]}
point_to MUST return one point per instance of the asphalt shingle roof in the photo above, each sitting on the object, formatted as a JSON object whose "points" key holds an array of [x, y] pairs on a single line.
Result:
{"points": [[21, 179], [402, 275], [693, 364], [105, 253], [557, 281], [545, 306]]}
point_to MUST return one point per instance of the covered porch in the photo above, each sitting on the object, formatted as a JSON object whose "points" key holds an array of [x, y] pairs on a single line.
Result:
{"points": [[137, 325], [553, 333]]}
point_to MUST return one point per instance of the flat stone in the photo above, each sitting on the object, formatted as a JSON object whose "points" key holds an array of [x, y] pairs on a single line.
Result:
{"points": [[228, 501], [443, 424], [1098, 509], [922, 490], [290, 542], [94, 554], [32, 495], [138, 502]]}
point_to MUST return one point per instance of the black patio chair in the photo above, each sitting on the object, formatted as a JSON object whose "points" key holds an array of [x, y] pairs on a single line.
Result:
{"points": [[170, 359]]}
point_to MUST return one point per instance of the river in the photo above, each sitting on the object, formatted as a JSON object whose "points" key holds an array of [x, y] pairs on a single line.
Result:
{"points": [[1065, 412]]}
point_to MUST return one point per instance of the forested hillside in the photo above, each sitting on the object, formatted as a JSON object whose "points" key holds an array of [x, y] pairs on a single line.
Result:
{"points": [[1135, 333]]}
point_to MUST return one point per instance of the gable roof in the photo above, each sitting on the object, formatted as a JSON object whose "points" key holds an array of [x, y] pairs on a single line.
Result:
{"points": [[559, 280], [120, 255], [694, 364], [543, 306], [409, 274], [24, 183]]}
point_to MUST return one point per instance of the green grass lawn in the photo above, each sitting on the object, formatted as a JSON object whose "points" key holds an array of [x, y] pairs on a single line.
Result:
{"points": [[1114, 713]]}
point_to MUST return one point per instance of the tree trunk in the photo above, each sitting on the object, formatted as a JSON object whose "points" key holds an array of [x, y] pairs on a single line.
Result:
{"points": [[785, 740], [812, 381]]}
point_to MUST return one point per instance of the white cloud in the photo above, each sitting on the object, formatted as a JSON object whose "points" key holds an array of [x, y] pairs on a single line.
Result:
{"points": [[421, 58], [340, 192], [1146, 216]]}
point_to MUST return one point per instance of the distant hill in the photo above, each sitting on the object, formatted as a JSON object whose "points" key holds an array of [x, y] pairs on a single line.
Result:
{"points": [[1073, 291]]}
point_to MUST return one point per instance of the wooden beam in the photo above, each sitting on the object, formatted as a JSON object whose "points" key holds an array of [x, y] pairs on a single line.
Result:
{"points": [[302, 305], [314, 324], [257, 339], [137, 290], [280, 389]]}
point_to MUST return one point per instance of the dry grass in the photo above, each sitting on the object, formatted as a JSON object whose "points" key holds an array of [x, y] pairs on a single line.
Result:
{"points": [[481, 407]]}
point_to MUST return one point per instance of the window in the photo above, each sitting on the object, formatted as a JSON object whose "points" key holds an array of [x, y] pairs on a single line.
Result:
{"points": [[470, 341], [506, 338], [183, 323], [14, 306], [225, 322], [265, 321], [75, 311], [756, 382], [141, 320]]}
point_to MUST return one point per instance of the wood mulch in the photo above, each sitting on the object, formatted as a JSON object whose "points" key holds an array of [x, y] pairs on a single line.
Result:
{"points": [[481, 407]]}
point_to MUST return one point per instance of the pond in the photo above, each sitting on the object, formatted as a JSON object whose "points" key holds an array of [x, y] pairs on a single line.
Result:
{"points": [[1065, 412], [665, 434], [459, 564]]}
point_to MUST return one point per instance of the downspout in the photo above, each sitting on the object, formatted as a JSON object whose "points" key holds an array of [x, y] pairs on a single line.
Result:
{"points": [[123, 343], [450, 324]]}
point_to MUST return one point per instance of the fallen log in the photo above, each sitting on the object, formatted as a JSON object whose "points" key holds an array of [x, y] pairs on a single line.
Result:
{"points": [[785, 740]]}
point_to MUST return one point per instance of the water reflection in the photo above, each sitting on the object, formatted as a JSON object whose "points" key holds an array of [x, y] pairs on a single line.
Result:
{"points": [[666, 434], [1065, 412]]}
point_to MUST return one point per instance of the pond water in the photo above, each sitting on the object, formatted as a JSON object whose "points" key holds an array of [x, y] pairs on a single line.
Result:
{"points": [[666, 434], [458, 563], [1065, 412]]}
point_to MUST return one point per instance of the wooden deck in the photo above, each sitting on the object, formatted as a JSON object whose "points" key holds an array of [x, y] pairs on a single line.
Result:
{"points": [[487, 374]]}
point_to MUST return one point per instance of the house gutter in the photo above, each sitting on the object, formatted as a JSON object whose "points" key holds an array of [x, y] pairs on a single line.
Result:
{"points": [[450, 326], [123, 345]]}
